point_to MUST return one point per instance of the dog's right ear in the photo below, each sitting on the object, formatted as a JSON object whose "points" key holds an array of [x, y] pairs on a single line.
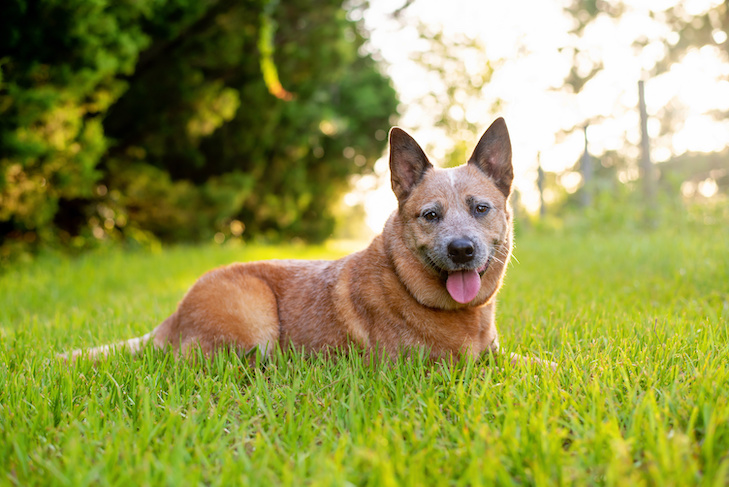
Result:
{"points": [[408, 163]]}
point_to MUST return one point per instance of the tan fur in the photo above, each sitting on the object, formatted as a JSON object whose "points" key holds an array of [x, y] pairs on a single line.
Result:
{"points": [[386, 297]]}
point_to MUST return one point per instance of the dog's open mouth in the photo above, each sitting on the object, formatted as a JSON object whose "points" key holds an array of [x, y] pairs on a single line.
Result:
{"points": [[464, 285]]}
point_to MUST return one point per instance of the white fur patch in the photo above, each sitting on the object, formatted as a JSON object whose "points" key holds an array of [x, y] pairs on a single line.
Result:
{"points": [[452, 177], [263, 348]]}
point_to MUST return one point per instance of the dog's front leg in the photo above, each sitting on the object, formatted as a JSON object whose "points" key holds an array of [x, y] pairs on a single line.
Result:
{"points": [[515, 358]]}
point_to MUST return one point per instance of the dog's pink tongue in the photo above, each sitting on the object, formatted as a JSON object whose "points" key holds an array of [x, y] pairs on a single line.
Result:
{"points": [[463, 286]]}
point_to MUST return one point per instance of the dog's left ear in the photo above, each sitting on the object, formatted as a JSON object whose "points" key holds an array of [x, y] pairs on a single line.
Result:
{"points": [[492, 155]]}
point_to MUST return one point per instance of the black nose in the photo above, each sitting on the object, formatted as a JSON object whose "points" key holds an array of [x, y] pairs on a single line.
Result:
{"points": [[461, 250]]}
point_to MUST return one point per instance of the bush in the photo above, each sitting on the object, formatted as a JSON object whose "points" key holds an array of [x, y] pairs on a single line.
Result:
{"points": [[154, 118]]}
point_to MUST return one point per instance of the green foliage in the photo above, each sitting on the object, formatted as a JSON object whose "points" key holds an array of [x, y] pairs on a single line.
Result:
{"points": [[637, 322], [697, 167], [618, 201], [679, 30], [61, 69], [158, 119]]}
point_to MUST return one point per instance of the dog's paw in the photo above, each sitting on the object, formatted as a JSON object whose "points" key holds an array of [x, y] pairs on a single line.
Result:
{"points": [[521, 359]]}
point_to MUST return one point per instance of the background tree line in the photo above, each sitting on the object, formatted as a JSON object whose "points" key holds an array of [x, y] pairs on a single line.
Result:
{"points": [[677, 33], [690, 187], [180, 119]]}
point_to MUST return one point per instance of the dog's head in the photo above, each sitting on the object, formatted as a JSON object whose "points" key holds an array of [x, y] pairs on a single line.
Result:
{"points": [[455, 222]]}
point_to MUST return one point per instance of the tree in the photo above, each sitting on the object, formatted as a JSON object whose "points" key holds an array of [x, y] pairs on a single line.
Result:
{"points": [[669, 34], [182, 118], [61, 70]]}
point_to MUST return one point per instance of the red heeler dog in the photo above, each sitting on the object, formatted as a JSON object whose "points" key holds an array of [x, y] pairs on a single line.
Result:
{"points": [[428, 282]]}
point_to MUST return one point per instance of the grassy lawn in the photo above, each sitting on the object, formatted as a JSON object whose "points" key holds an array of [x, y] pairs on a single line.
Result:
{"points": [[638, 323]]}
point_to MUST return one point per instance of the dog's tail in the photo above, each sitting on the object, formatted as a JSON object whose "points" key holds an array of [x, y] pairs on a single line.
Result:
{"points": [[133, 345]]}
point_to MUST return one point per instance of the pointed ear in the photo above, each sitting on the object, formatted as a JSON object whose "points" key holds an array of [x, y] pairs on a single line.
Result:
{"points": [[408, 163], [492, 155]]}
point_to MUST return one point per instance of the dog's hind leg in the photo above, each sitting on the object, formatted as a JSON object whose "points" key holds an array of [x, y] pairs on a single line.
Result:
{"points": [[515, 358], [225, 308]]}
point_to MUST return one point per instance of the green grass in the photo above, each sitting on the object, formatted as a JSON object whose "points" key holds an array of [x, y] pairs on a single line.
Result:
{"points": [[638, 323]]}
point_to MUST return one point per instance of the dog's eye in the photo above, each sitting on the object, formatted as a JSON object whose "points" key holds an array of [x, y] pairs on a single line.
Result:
{"points": [[482, 209], [430, 215]]}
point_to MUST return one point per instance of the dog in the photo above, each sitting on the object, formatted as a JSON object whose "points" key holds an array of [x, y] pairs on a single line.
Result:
{"points": [[428, 283]]}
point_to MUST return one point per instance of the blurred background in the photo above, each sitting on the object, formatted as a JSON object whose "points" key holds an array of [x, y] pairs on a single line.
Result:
{"points": [[151, 121]]}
